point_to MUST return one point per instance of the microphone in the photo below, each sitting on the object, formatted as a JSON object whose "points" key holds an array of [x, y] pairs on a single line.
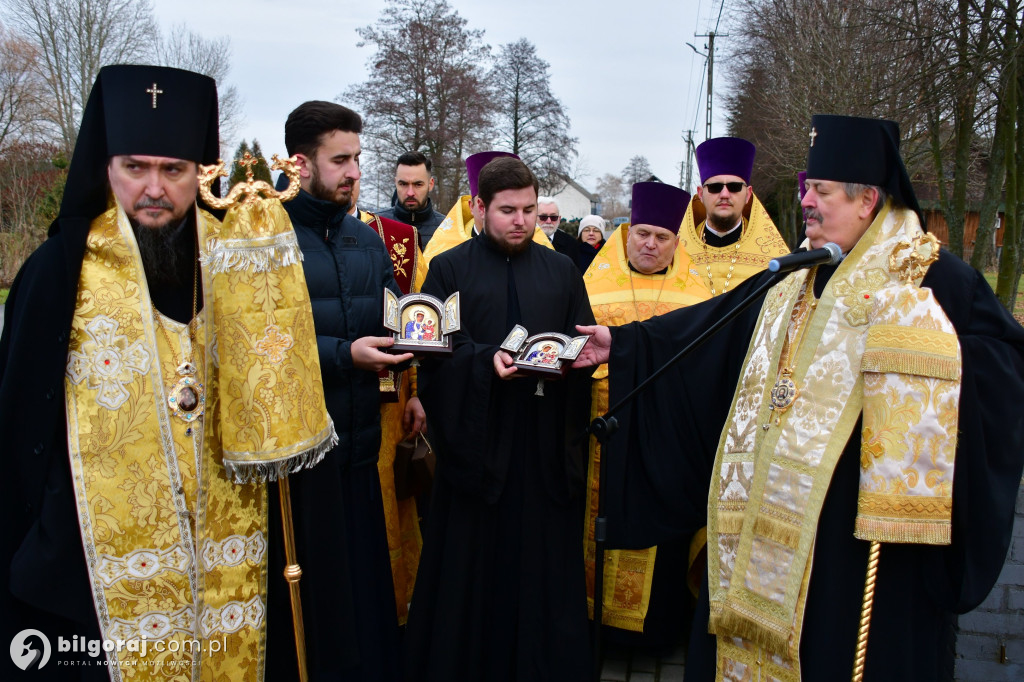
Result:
{"points": [[830, 254]]}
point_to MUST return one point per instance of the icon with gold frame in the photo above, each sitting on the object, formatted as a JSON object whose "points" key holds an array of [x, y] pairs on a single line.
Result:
{"points": [[421, 324], [548, 355]]}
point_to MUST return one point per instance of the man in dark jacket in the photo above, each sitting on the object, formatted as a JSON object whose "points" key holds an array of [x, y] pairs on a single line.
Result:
{"points": [[412, 204], [342, 543]]}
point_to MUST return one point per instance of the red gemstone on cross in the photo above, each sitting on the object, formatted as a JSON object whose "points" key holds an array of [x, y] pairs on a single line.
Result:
{"points": [[867, 295], [143, 564], [106, 362]]}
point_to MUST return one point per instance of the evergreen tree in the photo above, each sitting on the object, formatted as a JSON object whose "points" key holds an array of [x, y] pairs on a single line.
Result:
{"points": [[260, 167]]}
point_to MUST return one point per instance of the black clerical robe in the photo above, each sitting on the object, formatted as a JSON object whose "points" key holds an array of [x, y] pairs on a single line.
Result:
{"points": [[566, 245], [500, 592], [660, 468]]}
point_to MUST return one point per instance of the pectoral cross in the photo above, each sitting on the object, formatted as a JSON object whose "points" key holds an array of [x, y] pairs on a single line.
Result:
{"points": [[154, 91], [814, 134]]}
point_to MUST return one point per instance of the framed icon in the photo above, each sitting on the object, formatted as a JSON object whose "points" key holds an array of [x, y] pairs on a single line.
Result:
{"points": [[548, 355], [421, 323]]}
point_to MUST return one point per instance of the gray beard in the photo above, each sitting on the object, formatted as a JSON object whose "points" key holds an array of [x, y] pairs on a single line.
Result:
{"points": [[159, 248]]}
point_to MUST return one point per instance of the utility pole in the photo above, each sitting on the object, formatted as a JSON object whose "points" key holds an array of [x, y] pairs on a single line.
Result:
{"points": [[689, 160], [710, 35]]}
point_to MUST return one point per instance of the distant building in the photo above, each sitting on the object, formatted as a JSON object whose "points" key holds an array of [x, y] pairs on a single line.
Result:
{"points": [[574, 202]]}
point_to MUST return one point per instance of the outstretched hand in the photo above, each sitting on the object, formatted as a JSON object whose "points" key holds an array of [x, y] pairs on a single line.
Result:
{"points": [[366, 353], [598, 349]]}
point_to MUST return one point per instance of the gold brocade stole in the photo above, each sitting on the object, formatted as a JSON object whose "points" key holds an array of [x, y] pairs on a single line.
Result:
{"points": [[759, 243], [457, 227], [619, 298], [401, 518], [772, 479], [176, 553]]}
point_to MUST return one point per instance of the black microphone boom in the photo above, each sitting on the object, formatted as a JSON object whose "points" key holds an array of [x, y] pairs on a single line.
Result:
{"points": [[830, 254]]}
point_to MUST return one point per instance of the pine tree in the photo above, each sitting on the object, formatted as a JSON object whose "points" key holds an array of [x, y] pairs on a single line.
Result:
{"points": [[260, 168]]}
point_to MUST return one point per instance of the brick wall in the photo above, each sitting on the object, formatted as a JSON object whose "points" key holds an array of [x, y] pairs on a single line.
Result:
{"points": [[998, 622]]}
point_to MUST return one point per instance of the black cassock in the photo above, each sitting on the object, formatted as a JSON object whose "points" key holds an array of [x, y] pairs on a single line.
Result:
{"points": [[500, 592], [660, 469]]}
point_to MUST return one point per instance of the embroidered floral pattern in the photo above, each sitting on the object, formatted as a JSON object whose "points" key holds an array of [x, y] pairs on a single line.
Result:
{"points": [[398, 256], [142, 564], [153, 625], [857, 294], [108, 362], [232, 617], [233, 550], [274, 344]]}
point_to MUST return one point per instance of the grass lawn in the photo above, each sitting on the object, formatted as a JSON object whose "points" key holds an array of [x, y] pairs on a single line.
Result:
{"points": [[991, 275]]}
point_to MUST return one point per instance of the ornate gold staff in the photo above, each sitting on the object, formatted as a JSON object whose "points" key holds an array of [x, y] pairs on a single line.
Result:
{"points": [[249, 192], [865, 611], [292, 574]]}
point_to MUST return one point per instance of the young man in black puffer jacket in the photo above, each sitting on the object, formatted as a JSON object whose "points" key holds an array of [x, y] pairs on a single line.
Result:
{"points": [[411, 202], [351, 629]]}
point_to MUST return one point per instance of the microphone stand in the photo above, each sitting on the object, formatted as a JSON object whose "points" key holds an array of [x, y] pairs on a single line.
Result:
{"points": [[606, 425]]}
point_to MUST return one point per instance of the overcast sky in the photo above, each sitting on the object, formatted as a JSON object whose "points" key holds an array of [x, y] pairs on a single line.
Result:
{"points": [[623, 70]]}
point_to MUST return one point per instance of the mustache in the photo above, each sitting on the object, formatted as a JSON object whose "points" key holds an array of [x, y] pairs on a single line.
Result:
{"points": [[812, 214], [146, 202]]}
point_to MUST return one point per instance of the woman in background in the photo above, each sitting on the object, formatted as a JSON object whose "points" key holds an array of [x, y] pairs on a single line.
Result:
{"points": [[591, 238]]}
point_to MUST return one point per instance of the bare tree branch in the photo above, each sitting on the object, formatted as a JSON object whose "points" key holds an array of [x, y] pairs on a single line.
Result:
{"points": [[531, 121], [75, 39], [427, 90], [186, 49]]}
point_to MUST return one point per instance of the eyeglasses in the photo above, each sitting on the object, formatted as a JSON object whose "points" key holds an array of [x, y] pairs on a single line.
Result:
{"points": [[548, 218], [716, 187]]}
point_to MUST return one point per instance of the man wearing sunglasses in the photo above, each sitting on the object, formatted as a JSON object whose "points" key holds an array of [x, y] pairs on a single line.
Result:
{"points": [[548, 220], [727, 231]]}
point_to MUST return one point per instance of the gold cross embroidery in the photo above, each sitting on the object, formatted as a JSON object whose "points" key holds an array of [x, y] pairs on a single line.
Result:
{"points": [[154, 91]]}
